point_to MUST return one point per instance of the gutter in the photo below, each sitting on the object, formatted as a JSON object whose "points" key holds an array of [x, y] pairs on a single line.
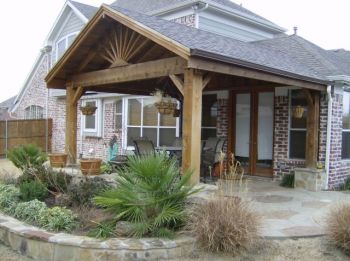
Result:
{"points": [[225, 59], [329, 129]]}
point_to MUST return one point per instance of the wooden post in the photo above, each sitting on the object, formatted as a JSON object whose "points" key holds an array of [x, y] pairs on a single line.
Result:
{"points": [[312, 125], [71, 122], [192, 120]]}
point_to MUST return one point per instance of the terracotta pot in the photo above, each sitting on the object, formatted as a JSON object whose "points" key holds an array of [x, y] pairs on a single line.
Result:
{"points": [[58, 160], [90, 166]]}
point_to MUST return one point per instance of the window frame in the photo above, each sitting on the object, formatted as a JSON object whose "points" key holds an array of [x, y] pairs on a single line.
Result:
{"points": [[97, 131], [203, 128], [290, 129], [66, 44], [35, 112], [141, 126], [344, 130]]}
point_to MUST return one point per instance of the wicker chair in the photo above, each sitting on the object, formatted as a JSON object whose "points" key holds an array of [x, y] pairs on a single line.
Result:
{"points": [[144, 147]]}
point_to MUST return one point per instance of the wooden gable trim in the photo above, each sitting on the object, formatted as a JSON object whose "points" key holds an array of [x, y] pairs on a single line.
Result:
{"points": [[153, 35], [134, 72], [231, 69]]}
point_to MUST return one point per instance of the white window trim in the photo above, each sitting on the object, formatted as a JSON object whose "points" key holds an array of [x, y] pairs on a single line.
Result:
{"points": [[97, 131], [158, 127], [290, 125], [65, 39]]}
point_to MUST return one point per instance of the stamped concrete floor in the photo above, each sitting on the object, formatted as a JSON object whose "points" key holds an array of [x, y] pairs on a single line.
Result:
{"points": [[291, 213]]}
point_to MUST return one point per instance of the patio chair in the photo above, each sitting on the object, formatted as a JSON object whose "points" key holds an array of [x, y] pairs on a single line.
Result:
{"points": [[144, 147], [211, 157]]}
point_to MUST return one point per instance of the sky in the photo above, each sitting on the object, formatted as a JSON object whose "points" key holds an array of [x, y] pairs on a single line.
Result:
{"points": [[24, 26]]}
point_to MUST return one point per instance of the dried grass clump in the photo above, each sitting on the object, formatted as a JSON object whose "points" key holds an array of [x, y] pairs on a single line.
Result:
{"points": [[338, 226], [226, 224]]}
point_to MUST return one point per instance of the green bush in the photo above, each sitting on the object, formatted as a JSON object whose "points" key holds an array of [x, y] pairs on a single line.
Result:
{"points": [[287, 181], [30, 211], [27, 156], [9, 197], [33, 190], [58, 219], [150, 194], [345, 185], [103, 230], [83, 192], [106, 168]]}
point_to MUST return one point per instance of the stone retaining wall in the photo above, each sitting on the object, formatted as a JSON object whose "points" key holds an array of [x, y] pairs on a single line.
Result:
{"points": [[42, 245]]}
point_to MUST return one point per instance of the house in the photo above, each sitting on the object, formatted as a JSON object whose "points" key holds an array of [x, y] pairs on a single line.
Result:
{"points": [[5, 109], [281, 101]]}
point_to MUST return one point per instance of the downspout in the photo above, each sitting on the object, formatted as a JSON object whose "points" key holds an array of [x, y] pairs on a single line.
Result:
{"points": [[197, 10], [329, 129]]}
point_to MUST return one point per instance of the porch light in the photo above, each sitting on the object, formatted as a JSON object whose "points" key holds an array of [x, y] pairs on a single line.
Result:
{"points": [[164, 103], [298, 112]]}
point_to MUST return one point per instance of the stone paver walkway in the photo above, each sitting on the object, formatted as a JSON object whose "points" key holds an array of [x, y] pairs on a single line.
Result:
{"points": [[290, 213]]}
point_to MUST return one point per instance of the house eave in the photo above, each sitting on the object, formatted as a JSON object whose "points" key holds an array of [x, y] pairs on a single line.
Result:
{"points": [[258, 67], [340, 79]]}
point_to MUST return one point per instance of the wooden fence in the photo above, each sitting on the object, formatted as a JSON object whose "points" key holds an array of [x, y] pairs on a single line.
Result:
{"points": [[17, 132]]}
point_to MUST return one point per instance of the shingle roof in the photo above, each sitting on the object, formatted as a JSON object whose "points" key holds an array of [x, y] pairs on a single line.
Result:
{"points": [[324, 63], [243, 53], [146, 6], [87, 10], [7, 104]]}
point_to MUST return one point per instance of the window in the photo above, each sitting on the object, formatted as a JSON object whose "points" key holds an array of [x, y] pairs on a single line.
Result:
{"points": [[118, 115], [92, 124], [209, 115], [63, 44], [144, 121], [297, 127], [346, 126], [34, 112]]}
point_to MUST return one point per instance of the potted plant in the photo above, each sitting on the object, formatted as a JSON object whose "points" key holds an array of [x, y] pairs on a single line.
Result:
{"points": [[88, 109], [90, 166], [58, 160]]}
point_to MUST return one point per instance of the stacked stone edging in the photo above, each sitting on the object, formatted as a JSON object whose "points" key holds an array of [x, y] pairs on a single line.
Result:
{"points": [[42, 245]]}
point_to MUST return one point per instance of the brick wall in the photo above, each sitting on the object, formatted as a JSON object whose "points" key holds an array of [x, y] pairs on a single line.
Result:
{"points": [[222, 120]]}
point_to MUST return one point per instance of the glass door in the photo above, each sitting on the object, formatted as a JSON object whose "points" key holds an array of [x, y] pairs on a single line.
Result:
{"points": [[253, 131]]}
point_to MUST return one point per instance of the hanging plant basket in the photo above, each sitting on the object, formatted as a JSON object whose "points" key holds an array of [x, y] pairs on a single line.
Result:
{"points": [[166, 107], [88, 110], [298, 112], [176, 113]]}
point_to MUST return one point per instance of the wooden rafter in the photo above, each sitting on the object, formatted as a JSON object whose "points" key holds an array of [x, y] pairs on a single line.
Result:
{"points": [[179, 83]]}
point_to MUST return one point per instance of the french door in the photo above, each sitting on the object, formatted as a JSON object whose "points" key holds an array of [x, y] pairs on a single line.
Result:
{"points": [[253, 128]]}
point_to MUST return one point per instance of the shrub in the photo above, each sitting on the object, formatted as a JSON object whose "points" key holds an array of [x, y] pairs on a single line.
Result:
{"points": [[8, 178], [338, 224], [150, 194], [9, 196], [224, 224], [26, 156], [57, 219], [30, 211], [83, 192], [33, 190], [106, 168], [345, 185], [103, 230], [287, 181]]}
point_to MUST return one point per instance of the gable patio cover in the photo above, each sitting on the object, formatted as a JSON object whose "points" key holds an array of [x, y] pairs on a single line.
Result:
{"points": [[122, 51]]}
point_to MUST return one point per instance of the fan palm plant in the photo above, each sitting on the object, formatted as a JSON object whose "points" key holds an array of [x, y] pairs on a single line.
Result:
{"points": [[27, 156], [150, 194]]}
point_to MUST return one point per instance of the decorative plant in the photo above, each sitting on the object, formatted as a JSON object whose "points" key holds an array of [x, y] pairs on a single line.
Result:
{"points": [[164, 103], [287, 181], [88, 109], [9, 197], [27, 156], [57, 219], [103, 230], [33, 190], [30, 211], [150, 194]]}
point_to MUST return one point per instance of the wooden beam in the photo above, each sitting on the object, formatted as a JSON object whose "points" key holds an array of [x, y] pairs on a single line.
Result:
{"points": [[87, 60], [178, 83], [312, 128], [78, 93], [141, 71], [207, 79], [192, 121], [231, 69], [71, 124]]}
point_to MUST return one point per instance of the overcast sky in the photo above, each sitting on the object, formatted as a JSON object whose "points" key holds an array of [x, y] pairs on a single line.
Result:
{"points": [[25, 24]]}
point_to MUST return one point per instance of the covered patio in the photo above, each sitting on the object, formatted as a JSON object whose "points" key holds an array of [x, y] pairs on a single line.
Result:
{"points": [[120, 51]]}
